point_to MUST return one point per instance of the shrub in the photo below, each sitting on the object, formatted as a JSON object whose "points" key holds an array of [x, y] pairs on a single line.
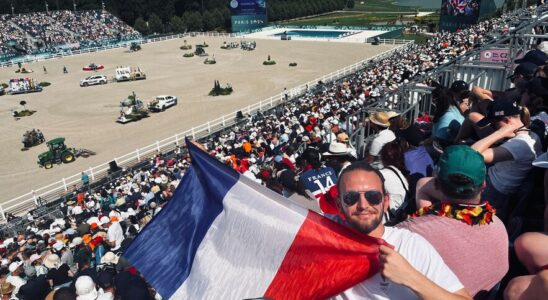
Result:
{"points": [[188, 54], [23, 113], [185, 47], [210, 61], [5, 85], [293, 64], [217, 90], [269, 62], [44, 84]]}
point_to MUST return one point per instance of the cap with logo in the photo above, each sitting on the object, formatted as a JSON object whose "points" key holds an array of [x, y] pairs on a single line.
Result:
{"points": [[498, 109]]}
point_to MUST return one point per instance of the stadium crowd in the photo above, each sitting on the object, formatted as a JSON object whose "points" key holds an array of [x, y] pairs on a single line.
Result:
{"points": [[54, 29], [482, 144]]}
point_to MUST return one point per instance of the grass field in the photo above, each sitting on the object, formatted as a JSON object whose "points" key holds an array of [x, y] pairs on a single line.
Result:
{"points": [[381, 5], [347, 19]]}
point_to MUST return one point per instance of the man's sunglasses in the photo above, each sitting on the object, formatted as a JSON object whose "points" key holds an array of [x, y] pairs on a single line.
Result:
{"points": [[373, 197]]}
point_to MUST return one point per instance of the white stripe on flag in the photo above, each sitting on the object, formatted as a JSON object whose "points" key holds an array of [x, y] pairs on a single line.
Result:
{"points": [[244, 247]]}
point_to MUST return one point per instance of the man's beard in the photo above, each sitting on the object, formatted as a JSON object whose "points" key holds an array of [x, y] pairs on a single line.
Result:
{"points": [[363, 226]]}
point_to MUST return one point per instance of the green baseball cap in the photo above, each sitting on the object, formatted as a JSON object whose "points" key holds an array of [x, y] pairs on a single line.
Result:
{"points": [[462, 160]]}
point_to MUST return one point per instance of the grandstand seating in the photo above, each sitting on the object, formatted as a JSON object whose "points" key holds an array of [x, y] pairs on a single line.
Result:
{"points": [[48, 31]]}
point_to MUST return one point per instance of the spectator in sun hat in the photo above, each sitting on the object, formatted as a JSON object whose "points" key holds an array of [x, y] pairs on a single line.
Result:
{"points": [[7, 289], [59, 274], [36, 262], [85, 288], [510, 161], [379, 121], [338, 157], [468, 223]]}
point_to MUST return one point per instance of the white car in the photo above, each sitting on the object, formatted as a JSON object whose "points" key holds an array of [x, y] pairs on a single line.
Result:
{"points": [[162, 102], [93, 80]]}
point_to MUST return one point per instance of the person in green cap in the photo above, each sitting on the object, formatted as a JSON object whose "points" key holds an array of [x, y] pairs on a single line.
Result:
{"points": [[462, 227]]}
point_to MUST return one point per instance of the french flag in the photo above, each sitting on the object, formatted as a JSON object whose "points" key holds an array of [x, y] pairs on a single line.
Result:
{"points": [[223, 236]]}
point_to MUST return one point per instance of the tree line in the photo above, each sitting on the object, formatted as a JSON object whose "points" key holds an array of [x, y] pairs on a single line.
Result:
{"points": [[162, 16]]}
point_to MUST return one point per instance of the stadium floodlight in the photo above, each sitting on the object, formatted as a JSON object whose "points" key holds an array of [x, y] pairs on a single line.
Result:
{"points": [[47, 7], [74, 4], [12, 9]]}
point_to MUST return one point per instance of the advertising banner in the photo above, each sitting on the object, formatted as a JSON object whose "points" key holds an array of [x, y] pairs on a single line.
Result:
{"points": [[248, 14], [494, 55]]}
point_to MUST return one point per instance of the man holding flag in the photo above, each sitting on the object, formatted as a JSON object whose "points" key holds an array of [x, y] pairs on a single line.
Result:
{"points": [[413, 269], [222, 236]]}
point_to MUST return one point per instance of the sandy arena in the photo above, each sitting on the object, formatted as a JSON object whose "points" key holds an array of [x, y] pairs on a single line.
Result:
{"points": [[86, 116]]}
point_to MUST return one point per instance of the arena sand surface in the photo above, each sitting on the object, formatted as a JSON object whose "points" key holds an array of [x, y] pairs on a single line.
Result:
{"points": [[86, 116]]}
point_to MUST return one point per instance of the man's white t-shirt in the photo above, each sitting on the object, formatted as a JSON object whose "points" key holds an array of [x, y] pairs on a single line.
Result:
{"points": [[507, 176], [420, 254], [116, 234]]}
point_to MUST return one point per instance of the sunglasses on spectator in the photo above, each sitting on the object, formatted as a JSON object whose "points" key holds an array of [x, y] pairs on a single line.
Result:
{"points": [[373, 197]]}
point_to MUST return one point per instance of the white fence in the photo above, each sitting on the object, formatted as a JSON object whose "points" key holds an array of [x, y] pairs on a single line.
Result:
{"points": [[66, 185], [41, 57]]}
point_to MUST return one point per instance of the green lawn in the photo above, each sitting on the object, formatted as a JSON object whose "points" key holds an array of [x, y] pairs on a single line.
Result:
{"points": [[419, 39], [347, 19], [380, 5]]}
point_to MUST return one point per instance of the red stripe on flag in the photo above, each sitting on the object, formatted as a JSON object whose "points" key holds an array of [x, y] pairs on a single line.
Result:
{"points": [[324, 260]]}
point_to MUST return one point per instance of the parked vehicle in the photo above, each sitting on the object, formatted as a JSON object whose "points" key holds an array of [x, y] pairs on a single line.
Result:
{"points": [[94, 80], [24, 85], [129, 73], [160, 103]]}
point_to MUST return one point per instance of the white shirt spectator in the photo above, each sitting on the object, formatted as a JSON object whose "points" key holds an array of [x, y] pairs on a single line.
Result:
{"points": [[115, 234]]}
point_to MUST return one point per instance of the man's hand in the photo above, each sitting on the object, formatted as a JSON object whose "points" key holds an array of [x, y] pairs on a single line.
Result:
{"points": [[395, 267]]}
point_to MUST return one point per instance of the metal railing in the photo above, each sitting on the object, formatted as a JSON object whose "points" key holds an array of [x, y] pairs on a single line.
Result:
{"points": [[66, 185]]}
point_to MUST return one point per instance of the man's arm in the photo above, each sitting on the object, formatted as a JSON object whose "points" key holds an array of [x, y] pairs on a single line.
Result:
{"points": [[396, 268], [481, 93], [493, 155]]}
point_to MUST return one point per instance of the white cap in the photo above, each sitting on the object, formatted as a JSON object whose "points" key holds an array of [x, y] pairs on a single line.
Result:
{"points": [[14, 265]]}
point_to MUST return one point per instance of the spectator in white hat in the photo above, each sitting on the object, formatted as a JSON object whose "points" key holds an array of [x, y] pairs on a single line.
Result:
{"points": [[85, 288], [16, 269]]}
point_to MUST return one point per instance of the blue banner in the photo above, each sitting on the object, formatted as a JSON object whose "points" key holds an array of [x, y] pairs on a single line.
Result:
{"points": [[248, 15], [247, 7]]}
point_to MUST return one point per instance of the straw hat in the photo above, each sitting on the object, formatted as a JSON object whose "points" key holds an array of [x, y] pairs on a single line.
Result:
{"points": [[109, 258], [337, 149], [392, 114], [52, 261], [7, 288], [380, 118]]}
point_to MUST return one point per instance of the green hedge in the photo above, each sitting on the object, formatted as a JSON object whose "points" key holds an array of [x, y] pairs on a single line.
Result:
{"points": [[269, 62], [44, 84], [188, 54]]}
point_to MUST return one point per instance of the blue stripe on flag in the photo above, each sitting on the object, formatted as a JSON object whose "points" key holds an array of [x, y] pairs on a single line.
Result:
{"points": [[164, 250]]}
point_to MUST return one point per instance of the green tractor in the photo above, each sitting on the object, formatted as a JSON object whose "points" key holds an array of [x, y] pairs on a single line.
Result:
{"points": [[59, 153], [134, 47]]}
